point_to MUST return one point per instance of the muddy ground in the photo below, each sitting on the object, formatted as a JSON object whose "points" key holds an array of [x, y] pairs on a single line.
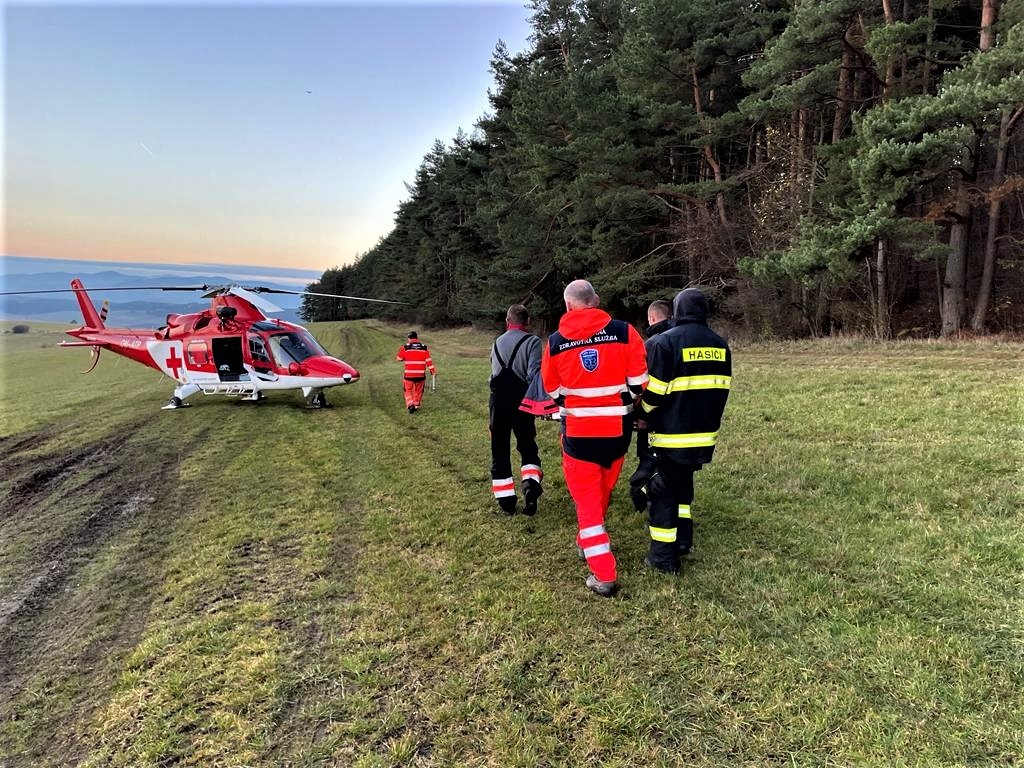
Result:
{"points": [[80, 533]]}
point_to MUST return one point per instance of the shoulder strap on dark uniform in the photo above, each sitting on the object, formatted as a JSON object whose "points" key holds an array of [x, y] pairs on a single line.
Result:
{"points": [[515, 350]]}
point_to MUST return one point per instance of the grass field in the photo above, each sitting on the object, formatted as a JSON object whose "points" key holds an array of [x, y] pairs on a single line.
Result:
{"points": [[263, 585]]}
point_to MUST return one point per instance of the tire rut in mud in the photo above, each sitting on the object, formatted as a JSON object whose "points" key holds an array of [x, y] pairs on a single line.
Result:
{"points": [[121, 485], [36, 477], [104, 467]]}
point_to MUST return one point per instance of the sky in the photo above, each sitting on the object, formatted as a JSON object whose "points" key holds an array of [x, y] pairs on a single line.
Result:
{"points": [[265, 134]]}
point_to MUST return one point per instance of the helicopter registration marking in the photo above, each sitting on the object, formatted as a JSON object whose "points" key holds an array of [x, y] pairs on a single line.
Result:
{"points": [[132, 342]]}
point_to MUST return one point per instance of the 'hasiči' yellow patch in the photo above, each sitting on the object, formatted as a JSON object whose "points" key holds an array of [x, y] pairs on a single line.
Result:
{"points": [[696, 354]]}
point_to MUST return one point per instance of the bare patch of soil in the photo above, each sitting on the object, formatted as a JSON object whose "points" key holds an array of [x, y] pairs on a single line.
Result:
{"points": [[118, 488], [46, 473]]}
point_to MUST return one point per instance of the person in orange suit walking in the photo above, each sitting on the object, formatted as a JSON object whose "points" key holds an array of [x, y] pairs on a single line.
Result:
{"points": [[416, 356]]}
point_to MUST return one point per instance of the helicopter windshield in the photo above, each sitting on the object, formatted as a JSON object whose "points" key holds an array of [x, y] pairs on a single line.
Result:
{"points": [[294, 346]]}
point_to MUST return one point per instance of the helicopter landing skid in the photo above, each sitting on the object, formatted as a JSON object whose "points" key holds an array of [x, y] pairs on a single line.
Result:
{"points": [[174, 403], [318, 400], [178, 398]]}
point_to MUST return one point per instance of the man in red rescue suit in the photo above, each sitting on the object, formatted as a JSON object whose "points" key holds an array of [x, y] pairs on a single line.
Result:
{"points": [[515, 361], [690, 368], [416, 356], [593, 367]]}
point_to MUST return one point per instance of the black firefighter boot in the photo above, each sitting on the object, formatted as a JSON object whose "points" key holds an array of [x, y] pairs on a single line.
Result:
{"points": [[531, 492]]}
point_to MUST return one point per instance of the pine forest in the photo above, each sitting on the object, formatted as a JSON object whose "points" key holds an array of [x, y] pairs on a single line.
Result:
{"points": [[818, 167]]}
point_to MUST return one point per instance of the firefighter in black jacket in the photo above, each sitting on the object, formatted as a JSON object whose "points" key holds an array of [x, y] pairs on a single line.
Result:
{"points": [[690, 370]]}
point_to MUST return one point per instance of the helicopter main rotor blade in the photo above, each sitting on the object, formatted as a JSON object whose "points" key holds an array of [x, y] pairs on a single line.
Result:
{"points": [[263, 289], [210, 291], [263, 305], [131, 288]]}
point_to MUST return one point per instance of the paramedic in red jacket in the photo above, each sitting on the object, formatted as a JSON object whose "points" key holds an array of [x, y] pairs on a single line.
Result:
{"points": [[416, 356], [594, 367]]}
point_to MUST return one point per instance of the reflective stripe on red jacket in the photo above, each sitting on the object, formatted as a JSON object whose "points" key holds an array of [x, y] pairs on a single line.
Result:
{"points": [[417, 360], [594, 366]]}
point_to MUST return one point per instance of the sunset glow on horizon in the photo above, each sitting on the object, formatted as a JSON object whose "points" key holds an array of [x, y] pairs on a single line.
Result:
{"points": [[262, 135]]}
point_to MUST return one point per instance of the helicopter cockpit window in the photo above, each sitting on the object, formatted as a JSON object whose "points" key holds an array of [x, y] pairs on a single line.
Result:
{"points": [[258, 351], [294, 346]]}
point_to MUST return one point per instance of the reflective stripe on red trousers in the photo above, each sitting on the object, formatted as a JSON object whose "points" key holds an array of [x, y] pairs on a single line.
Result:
{"points": [[413, 392], [590, 486]]}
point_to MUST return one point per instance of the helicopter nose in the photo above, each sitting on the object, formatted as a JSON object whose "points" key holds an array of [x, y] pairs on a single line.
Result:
{"points": [[331, 368]]}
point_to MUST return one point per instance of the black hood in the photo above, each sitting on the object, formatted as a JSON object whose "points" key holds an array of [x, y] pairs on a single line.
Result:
{"points": [[690, 306]]}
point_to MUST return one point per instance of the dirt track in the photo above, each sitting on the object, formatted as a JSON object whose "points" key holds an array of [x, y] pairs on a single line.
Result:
{"points": [[59, 512]]}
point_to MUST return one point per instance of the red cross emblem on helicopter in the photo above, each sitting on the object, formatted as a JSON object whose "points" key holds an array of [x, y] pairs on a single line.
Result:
{"points": [[174, 362]]}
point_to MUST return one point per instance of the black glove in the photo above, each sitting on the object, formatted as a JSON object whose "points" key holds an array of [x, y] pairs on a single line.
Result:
{"points": [[638, 485], [639, 498]]}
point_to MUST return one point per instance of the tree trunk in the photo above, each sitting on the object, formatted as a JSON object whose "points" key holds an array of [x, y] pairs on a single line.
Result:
{"points": [[926, 74], [801, 142], [821, 309], [989, 17], [995, 204], [890, 75], [689, 235], [883, 326], [843, 90], [709, 153], [954, 284]]}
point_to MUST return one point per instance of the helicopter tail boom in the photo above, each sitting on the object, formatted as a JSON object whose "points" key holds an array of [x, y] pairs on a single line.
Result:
{"points": [[90, 317]]}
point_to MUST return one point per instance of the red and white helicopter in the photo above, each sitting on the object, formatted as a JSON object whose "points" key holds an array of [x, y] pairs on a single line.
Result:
{"points": [[233, 348]]}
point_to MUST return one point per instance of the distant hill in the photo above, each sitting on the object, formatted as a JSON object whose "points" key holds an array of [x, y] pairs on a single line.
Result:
{"points": [[135, 308]]}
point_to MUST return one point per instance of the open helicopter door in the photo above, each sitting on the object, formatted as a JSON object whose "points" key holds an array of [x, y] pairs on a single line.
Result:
{"points": [[227, 356]]}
